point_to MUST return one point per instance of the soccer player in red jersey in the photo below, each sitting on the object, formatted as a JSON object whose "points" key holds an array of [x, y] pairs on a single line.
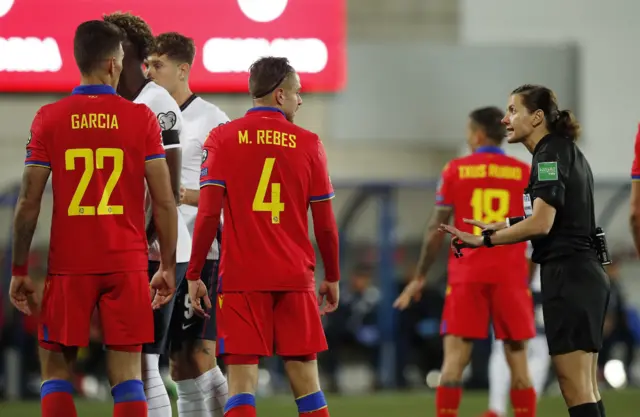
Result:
{"points": [[99, 148], [635, 194], [267, 172], [486, 186]]}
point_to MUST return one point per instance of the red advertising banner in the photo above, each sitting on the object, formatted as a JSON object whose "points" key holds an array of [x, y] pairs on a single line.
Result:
{"points": [[36, 39]]}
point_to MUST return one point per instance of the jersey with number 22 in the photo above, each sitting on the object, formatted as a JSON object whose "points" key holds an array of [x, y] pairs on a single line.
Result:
{"points": [[487, 186], [96, 147], [271, 170]]}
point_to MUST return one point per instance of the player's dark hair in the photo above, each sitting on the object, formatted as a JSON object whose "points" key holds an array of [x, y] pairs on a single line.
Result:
{"points": [[537, 97], [176, 47], [267, 73], [137, 31], [489, 119], [94, 42]]}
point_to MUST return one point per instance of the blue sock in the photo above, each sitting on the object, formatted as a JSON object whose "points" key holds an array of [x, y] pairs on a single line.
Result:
{"points": [[312, 402], [239, 400], [128, 391], [55, 385]]}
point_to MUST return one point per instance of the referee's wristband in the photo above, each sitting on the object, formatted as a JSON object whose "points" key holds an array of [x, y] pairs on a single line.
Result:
{"points": [[514, 220], [19, 270], [486, 241]]}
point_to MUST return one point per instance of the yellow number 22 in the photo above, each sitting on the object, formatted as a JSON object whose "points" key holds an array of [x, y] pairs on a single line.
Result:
{"points": [[482, 202], [70, 156], [275, 206]]}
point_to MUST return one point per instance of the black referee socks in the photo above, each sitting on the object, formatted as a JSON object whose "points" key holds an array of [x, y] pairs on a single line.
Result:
{"points": [[585, 410], [601, 409]]}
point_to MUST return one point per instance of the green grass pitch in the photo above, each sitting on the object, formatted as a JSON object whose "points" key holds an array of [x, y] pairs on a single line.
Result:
{"points": [[415, 404]]}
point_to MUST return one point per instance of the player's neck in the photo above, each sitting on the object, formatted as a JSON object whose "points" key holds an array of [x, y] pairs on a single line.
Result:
{"points": [[182, 94], [532, 140], [92, 80], [130, 86]]}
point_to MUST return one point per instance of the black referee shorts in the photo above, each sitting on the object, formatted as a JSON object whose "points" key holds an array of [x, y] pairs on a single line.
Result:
{"points": [[575, 297]]}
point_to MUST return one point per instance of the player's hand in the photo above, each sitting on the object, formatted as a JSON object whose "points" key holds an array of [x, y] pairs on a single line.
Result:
{"points": [[412, 292], [22, 294], [328, 297], [461, 239], [198, 293], [484, 226], [182, 193], [163, 286]]}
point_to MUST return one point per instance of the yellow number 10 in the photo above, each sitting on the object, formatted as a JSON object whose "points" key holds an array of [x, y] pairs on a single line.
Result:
{"points": [[70, 156], [275, 206], [490, 205]]}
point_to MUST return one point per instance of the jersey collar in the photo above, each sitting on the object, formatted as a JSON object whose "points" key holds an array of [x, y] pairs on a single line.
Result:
{"points": [[267, 111], [490, 149], [93, 89]]}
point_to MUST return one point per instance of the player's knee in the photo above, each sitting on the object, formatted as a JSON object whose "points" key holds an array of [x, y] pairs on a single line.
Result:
{"points": [[124, 363], [203, 355], [303, 374], [182, 366], [516, 355], [242, 373], [53, 363]]}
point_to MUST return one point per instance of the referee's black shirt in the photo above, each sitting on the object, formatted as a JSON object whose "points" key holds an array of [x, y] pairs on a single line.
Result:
{"points": [[561, 176]]}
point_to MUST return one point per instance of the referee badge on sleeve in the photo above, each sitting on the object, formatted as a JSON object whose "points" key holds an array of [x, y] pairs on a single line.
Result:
{"points": [[547, 171]]}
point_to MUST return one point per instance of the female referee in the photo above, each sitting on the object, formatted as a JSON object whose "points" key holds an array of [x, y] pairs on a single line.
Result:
{"points": [[559, 220]]}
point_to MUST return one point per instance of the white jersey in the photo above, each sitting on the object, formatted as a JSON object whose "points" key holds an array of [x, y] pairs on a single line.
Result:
{"points": [[200, 117], [168, 113]]}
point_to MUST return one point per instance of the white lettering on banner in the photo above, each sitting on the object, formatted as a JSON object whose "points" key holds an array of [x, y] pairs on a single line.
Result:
{"points": [[227, 55], [29, 55]]}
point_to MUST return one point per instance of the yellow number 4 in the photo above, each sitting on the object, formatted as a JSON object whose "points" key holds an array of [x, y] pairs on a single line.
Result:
{"points": [[275, 206], [482, 202], [70, 156]]}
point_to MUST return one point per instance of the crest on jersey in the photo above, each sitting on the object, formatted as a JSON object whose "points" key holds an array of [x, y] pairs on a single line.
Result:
{"points": [[205, 154], [167, 120]]}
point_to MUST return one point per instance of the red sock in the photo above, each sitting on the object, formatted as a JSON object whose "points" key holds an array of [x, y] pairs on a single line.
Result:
{"points": [[130, 409], [448, 401], [58, 404], [523, 402], [323, 412], [241, 411]]}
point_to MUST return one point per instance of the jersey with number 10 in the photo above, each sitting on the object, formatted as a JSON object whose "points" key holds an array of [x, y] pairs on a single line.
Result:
{"points": [[271, 170], [486, 186], [96, 144]]}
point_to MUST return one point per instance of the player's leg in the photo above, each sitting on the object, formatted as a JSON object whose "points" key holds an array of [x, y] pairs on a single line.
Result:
{"points": [[499, 381], [512, 311], [465, 317], [127, 323], [202, 388], [299, 337], [154, 388], [65, 320], [245, 333]]}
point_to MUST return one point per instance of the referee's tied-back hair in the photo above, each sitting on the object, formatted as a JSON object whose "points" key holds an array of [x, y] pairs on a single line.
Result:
{"points": [[267, 74], [537, 97], [489, 119], [94, 42]]}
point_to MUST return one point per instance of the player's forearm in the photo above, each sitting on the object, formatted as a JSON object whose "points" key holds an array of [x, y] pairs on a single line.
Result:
{"points": [[432, 240], [635, 228], [326, 232], [191, 197], [165, 218], [205, 229], [174, 161], [24, 227], [527, 229]]}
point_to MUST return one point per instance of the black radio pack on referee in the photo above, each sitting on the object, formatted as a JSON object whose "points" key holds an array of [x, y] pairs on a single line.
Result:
{"points": [[600, 241]]}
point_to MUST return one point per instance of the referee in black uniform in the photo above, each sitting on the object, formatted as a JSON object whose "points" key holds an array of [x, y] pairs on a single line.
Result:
{"points": [[559, 220]]}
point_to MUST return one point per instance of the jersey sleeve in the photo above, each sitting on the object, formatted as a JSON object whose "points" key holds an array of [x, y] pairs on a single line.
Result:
{"points": [[635, 168], [153, 137], [215, 119], [444, 191], [321, 187], [169, 118], [550, 171], [212, 169], [37, 153]]}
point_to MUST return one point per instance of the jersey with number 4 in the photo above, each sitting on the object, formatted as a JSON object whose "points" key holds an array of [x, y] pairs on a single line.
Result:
{"points": [[487, 186], [271, 170], [96, 144]]}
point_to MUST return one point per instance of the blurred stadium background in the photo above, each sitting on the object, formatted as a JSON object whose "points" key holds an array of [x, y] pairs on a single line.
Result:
{"points": [[389, 89]]}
